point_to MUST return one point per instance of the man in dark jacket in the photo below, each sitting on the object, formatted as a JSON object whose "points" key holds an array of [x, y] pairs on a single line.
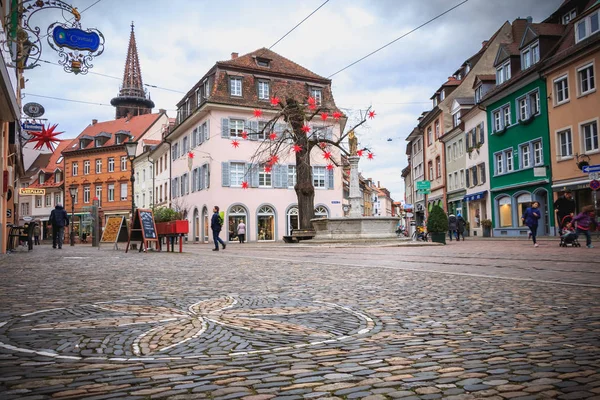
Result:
{"points": [[58, 219], [452, 226], [216, 225], [564, 205]]}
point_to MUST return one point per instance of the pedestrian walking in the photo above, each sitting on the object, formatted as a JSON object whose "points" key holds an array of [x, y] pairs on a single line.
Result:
{"points": [[36, 234], [585, 220], [216, 224], [564, 206], [241, 232], [452, 226], [461, 226], [58, 219], [530, 218]]}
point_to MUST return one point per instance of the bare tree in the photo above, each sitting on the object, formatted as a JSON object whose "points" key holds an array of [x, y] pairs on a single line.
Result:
{"points": [[301, 138]]}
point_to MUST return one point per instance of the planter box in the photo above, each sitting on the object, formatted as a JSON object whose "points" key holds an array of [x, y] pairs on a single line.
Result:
{"points": [[438, 237], [487, 231], [173, 227]]}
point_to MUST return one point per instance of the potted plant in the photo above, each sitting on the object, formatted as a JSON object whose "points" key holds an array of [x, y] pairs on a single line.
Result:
{"points": [[170, 221], [487, 227], [437, 224]]}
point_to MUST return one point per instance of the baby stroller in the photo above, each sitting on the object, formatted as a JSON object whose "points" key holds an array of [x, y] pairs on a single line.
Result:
{"points": [[567, 237]]}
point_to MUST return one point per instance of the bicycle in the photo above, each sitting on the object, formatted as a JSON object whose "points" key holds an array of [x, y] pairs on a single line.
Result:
{"points": [[420, 234]]}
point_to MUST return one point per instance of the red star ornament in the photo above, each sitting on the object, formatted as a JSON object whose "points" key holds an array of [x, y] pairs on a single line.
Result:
{"points": [[45, 137], [297, 148], [312, 107], [322, 145], [190, 155], [311, 100], [306, 129], [273, 159], [329, 167], [235, 143], [370, 156], [267, 168], [244, 135], [273, 136], [324, 116], [359, 153], [244, 185], [274, 101], [372, 114], [258, 113], [337, 115], [327, 155]]}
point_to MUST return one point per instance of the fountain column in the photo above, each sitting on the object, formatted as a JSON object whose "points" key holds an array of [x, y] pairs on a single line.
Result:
{"points": [[355, 197]]}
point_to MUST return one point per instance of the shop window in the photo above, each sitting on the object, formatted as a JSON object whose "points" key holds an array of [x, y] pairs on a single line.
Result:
{"points": [[266, 223], [505, 212], [523, 202]]}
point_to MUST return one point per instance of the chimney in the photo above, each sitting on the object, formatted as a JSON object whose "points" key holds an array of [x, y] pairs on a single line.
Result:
{"points": [[529, 20], [162, 110], [484, 43], [94, 121], [234, 56]]}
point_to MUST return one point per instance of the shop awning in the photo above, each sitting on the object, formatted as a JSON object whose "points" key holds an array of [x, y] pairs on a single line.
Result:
{"points": [[475, 196], [577, 185]]}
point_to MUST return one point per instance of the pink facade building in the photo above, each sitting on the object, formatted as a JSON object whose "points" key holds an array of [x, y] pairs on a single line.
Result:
{"points": [[208, 168]]}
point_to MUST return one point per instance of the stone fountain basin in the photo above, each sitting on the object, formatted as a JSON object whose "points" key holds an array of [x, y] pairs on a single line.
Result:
{"points": [[348, 228]]}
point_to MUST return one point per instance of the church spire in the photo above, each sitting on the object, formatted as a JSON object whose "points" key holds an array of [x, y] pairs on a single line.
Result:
{"points": [[132, 98]]}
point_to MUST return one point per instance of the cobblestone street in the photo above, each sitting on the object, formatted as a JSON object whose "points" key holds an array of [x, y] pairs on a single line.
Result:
{"points": [[476, 319]]}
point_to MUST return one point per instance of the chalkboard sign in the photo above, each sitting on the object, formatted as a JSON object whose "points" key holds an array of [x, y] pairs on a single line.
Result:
{"points": [[143, 229]]}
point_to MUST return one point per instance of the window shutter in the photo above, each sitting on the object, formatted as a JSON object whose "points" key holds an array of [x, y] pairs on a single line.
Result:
{"points": [[207, 176], [225, 128], [194, 133], [194, 179], [467, 141], [207, 130], [473, 137], [330, 182], [225, 174], [252, 128], [254, 174], [467, 172], [475, 180], [482, 173], [481, 134], [198, 181], [276, 176], [283, 171]]}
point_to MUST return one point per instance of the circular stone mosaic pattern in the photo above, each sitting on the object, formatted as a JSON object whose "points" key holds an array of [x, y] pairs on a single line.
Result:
{"points": [[224, 327]]}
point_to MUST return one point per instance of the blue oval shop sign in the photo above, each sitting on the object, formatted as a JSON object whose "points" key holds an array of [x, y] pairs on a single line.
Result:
{"points": [[76, 39]]}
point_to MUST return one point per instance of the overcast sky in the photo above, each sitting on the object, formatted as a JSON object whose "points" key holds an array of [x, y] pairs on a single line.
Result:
{"points": [[179, 40]]}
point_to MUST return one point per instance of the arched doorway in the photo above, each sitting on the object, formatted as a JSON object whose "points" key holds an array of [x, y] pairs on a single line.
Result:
{"points": [[235, 215], [196, 226], [523, 201], [265, 225], [321, 212], [292, 220], [205, 225]]}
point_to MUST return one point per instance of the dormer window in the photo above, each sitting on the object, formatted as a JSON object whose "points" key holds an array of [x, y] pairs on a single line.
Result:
{"points": [[118, 139], [478, 93], [587, 26], [442, 95], [503, 73], [263, 62], [568, 17], [456, 119], [57, 176], [530, 55], [435, 101], [235, 86], [317, 94], [60, 159], [98, 143], [42, 178], [120, 136]]}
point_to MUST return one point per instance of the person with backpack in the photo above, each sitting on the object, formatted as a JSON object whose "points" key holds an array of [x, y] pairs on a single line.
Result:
{"points": [[452, 226], [531, 218], [216, 224], [58, 219], [461, 225]]}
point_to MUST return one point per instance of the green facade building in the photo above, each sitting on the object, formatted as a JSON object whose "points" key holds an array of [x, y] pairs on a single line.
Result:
{"points": [[519, 155]]}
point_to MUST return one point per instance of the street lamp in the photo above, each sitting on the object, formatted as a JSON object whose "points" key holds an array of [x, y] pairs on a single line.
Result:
{"points": [[131, 148], [73, 192]]}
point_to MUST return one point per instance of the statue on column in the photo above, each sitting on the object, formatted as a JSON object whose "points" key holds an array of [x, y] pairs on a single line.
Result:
{"points": [[352, 143]]}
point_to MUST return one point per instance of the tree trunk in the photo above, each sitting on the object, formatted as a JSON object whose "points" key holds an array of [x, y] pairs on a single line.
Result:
{"points": [[305, 190]]}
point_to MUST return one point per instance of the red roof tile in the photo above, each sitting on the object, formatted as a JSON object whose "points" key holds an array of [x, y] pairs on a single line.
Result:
{"points": [[135, 126], [548, 29]]}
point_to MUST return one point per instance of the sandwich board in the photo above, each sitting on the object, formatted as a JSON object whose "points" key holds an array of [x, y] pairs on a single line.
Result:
{"points": [[143, 229], [115, 231]]}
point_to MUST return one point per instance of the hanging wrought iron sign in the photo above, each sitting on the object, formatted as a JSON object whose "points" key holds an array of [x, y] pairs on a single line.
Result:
{"points": [[76, 46], [33, 110]]}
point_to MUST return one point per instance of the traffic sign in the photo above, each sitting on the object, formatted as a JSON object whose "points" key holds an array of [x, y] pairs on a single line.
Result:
{"points": [[425, 185], [594, 176], [595, 185], [423, 191], [591, 168], [28, 126]]}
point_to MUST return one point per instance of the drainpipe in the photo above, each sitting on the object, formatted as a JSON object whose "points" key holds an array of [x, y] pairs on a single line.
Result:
{"points": [[170, 172], [153, 175]]}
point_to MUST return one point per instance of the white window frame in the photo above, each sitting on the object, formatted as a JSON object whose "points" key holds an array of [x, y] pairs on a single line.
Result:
{"points": [[530, 55], [111, 164], [237, 171], [560, 144], [510, 160], [503, 72], [123, 163], [263, 89], [582, 125], [86, 167], [123, 193], [74, 168], [86, 194], [110, 192], [236, 127], [291, 176], [265, 179], [587, 26], [478, 93], [456, 119], [561, 86], [569, 16], [461, 147], [592, 88], [235, 86], [99, 194], [317, 94], [499, 116], [538, 152], [319, 177], [98, 166], [525, 149], [48, 200]]}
